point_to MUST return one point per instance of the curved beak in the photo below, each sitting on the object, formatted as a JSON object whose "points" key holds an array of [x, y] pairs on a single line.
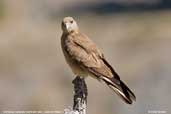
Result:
{"points": [[67, 25]]}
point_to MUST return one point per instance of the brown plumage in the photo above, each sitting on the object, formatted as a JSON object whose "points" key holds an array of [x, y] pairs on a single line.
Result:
{"points": [[84, 58]]}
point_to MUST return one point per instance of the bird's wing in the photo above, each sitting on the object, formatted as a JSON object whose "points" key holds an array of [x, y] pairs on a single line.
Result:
{"points": [[85, 52], [90, 57], [88, 45], [81, 50]]}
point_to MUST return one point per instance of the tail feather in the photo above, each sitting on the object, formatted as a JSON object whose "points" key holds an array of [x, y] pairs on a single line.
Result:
{"points": [[131, 94], [121, 90]]}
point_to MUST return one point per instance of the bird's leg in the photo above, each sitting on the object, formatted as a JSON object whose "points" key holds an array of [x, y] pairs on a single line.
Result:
{"points": [[80, 95]]}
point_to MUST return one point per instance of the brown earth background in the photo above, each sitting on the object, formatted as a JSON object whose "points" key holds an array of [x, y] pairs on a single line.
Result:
{"points": [[134, 35]]}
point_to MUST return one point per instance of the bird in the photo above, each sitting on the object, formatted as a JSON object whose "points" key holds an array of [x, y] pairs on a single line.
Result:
{"points": [[86, 59]]}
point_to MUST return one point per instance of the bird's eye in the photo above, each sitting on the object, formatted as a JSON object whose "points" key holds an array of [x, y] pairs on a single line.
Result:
{"points": [[71, 21]]}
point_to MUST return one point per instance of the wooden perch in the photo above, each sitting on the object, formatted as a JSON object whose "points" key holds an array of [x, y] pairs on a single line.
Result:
{"points": [[80, 97]]}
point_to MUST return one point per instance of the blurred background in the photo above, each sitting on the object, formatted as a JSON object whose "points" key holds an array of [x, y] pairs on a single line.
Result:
{"points": [[135, 36]]}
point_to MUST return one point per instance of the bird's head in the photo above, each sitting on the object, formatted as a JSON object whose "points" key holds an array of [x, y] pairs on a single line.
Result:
{"points": [[69, 25]]}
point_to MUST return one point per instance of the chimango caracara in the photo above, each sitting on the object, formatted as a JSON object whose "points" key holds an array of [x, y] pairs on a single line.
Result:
{"points": [[85, 58]]}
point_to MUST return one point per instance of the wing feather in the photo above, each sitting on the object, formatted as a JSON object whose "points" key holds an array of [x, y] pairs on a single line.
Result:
{"points": [[79, 51], [90, 57]]}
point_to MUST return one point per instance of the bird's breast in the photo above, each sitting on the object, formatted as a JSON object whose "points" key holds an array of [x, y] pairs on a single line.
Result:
{"points": [[73, 64]]}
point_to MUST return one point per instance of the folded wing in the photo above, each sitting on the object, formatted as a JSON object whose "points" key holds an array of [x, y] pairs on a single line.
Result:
{"points": [[91, 59]]}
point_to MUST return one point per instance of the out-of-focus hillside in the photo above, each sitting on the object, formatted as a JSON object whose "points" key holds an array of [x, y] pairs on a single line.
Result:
{"points": [[35, 76]]}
